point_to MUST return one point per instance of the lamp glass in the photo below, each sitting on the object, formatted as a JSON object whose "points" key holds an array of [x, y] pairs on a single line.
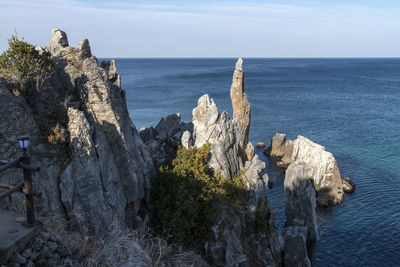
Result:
{"points": [[24, 141]]}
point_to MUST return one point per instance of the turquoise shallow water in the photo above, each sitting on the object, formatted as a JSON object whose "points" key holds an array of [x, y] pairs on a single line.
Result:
{"points": [[351, 106]]}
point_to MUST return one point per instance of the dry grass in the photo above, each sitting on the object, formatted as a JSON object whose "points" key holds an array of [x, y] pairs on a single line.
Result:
{"points": [[16, 205], [92, 251]]}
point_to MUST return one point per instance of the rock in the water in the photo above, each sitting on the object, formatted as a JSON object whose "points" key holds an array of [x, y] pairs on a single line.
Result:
{"points": [[322, 168], [321, 165], [301, 231], [348, 185], [241, 110], [280, 151], [260, 145]]}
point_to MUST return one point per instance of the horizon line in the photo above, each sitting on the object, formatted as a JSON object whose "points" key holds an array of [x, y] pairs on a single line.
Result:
{"points": [[355, 57]]}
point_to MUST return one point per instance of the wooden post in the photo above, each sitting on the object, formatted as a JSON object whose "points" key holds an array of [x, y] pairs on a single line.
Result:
{"points": [[30, 211]]}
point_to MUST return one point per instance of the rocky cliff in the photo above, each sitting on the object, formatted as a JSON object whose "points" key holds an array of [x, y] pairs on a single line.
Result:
{"points": [[321, 166], [301, 231], [95, 170]]}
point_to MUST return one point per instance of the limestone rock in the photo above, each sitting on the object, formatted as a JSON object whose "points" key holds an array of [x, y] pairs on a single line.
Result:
{"points": [[322, 168], [81, 180], [186, 139], [241, 110], [260, 145], [111, 68], [348, 185], [57, 42], [164, 139], [221, 132], [321, 165], [301, 231], [256, 182], [100, 170], [281, 151]]}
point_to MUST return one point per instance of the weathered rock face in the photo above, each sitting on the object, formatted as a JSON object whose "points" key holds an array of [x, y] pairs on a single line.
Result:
{"points": [[256, 181], [164, 139], [233, 244], [321, 165], [99, 173], [281, 150], [322, 168], [301, 231], [221, 132], [241, 111], [348, 185]]}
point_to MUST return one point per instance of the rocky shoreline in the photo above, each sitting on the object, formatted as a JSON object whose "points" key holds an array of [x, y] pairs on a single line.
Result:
{"points": [[97, 170]]}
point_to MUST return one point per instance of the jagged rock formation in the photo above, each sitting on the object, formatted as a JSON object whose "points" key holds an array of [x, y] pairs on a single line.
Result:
{"points": [[348, 185], [221, 132], [241, 111], [233, 243], [281, 150], [321, 165], [164, 139], [301, 231], [95, 169]]}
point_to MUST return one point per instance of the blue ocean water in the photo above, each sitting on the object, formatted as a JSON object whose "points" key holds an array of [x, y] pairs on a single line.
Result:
{"points": [[351, 106]]}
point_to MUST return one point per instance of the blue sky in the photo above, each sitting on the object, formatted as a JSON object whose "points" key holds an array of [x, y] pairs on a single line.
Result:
{"points": [[207, 28]]}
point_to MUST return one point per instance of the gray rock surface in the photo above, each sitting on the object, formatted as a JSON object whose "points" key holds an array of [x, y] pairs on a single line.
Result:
{"points": [[348, 185], [95, 169], [281, 150], [321, 165], [233, 242], [164, 139], [301, 230], [221, 132], [241, 111]]}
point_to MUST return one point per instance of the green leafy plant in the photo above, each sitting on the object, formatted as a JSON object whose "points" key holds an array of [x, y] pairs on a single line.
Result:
{"points": [[188, 197], [259, 224], [22, 63]]}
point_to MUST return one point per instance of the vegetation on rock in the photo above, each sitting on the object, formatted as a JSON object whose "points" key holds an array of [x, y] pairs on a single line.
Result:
{"points": [[259, 224], [188, 197], [22, 63]]}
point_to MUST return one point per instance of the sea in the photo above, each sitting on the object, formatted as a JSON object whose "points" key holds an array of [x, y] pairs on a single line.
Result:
{"points": [[350, 106]]}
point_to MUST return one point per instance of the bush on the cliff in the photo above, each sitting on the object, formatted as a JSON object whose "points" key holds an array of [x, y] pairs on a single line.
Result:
{"points": [[22, 63], [259, 224], [188, 197]]}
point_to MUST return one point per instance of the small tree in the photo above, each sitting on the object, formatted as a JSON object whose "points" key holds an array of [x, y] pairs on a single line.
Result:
{"points": [[22, 63]]}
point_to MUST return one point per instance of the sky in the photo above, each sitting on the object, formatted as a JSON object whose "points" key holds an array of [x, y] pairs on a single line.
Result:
{"points": [[205, 28]]}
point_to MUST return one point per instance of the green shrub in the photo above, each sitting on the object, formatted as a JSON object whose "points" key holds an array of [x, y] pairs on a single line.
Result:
{"points": [[259, 224], [22, 63], [188, 197]]}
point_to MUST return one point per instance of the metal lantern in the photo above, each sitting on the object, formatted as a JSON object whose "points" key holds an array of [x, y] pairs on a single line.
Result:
{"points": [[24, 142]]}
